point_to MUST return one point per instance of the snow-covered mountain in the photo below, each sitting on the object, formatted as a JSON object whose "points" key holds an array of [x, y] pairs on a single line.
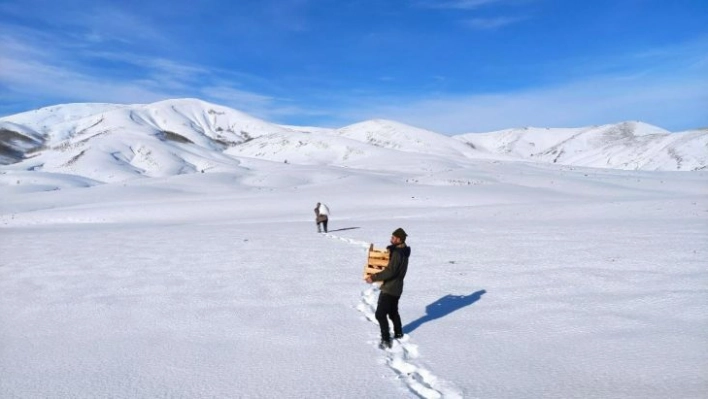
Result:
{"points": [[109, 142], [627, 145], [397, 136], [119, 142], [166, 282]]}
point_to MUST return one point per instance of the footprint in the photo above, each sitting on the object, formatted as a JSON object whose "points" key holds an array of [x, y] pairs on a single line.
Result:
{"points": [[400, 358]]}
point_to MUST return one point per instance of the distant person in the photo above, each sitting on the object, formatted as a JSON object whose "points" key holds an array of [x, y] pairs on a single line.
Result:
{"points": [[392, 287], [321, 216]]}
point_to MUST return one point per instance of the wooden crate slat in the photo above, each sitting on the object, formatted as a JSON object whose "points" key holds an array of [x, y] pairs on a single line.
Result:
{"points": [[377, 260]]}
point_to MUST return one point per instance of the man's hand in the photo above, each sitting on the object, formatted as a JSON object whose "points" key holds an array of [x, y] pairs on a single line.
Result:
{"points": [[368, 279]]}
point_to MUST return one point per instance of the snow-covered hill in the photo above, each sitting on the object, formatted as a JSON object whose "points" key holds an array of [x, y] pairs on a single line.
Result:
{"points": [[109, 143], [628, 145], [120, 142], [398, 136], [126, 272], [16, 141], [538, 280]]}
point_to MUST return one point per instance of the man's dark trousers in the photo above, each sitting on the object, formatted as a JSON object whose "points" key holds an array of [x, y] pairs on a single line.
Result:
{"points": [[388, 307]]}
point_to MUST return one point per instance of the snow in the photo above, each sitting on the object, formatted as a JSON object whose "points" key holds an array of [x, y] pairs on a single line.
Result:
{"points": [[398, 136], [544, 281], [185, 136], [156, 268], [627, 145]]}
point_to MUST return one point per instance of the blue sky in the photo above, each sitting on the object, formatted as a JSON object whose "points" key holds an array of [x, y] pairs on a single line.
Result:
{"points": [[452, 66]]}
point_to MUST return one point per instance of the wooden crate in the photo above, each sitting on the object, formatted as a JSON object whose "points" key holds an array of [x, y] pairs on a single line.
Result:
{"points": [[376, 261]]}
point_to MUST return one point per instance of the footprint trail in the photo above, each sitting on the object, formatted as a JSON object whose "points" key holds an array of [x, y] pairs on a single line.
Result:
{"points": [[401, 358]]}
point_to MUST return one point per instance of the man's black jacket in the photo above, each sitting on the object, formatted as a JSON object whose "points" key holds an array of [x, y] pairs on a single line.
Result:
{"points": [[393, 275]]}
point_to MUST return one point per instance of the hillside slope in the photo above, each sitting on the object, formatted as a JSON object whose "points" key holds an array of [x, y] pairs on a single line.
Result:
{"points": [[109, 143], [628, 145]]}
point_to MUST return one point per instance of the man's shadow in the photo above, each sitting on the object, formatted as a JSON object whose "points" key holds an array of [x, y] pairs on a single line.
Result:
{"points": [[345, 228], [443, 307]]}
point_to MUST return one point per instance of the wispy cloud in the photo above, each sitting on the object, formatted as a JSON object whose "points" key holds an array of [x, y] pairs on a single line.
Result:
{"points": [[86, 22], [461, 4], [236, 98], [492, 23], [291, 15], [673, 104], [54, 73], [169, 73], [665, 86], [471, 6], [271, 108], [59, 83]]}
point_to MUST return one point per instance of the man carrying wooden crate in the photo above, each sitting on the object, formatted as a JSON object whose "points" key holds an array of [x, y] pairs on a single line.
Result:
{"points": [[392, 288]]}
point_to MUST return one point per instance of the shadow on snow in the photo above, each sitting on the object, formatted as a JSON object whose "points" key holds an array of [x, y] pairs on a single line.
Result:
{"points": [[443, 307], [345, 228]]}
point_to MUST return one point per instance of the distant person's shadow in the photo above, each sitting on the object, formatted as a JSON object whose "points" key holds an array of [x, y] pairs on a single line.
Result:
{"points": [[345, 228], [443, 307]]}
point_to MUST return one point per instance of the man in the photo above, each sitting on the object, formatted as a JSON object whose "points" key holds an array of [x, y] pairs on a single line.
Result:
{"points": [[392, 287], [321, 216]]}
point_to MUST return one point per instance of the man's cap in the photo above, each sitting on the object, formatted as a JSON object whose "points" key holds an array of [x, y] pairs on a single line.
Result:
{"points": [[400, 233]]}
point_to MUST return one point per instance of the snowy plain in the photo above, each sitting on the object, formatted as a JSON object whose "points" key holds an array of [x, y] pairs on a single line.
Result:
{"points": [[137, 267], [539, 281]]}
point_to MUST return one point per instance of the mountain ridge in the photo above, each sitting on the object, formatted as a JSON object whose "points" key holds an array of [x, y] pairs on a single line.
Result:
{"points": [[631, 145], [190, 136]]}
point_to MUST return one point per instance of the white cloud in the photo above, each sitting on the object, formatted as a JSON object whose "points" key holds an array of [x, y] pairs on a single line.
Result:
{"points": [[235, 97], [89, 22], [272, 109], [675, 100], [54, 72], [677, 105], [62, 83], [667, 87], [492, 23], [460, 4], [29, 67]]}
